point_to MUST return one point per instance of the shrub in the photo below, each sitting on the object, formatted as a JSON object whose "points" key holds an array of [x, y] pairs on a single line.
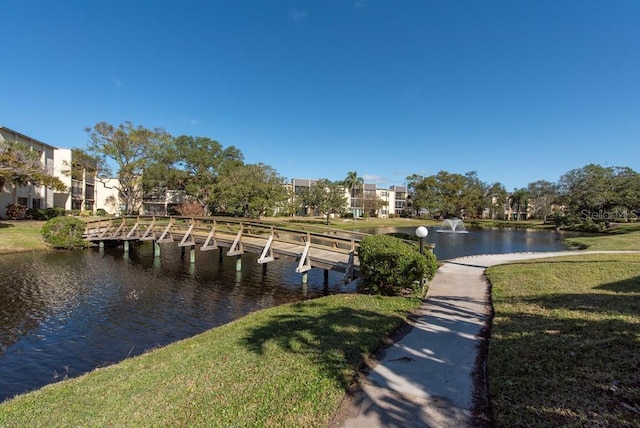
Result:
{"points": [[45, 213], [190, 209], [64, 232], [101, 212], [390, 266], [16, 211]]}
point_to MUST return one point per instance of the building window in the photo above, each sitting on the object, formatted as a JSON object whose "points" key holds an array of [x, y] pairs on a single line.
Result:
{"points": [[22, 201], [37, 203]]}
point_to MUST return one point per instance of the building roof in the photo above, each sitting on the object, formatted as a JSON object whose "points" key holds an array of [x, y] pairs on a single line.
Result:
{"points": [[21, 135]]}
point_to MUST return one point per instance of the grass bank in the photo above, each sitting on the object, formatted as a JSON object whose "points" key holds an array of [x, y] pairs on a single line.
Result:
{"points": [[286, 366], [565, 341], [619, 237], [19, 236]]}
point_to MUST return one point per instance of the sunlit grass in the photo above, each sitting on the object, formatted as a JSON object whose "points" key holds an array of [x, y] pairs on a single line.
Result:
{"points": [[565, 342], [286, 366], [620, 237], [23, 235]]}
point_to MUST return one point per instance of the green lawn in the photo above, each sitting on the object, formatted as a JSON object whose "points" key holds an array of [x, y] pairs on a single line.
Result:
{"points": [[565, 342], [619, 237], [564, 351], [24, 235], [288, 366]]}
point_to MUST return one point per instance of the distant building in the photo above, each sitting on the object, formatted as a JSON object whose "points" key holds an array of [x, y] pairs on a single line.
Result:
{"points": [[374, 201], [30, 196], [84, 191]]}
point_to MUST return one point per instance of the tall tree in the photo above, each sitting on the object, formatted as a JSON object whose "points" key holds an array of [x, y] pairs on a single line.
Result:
{"points": [[132, 149], [252, 190], [595, 191], [353, 182], [474, 199], [81, 163], [327, 197], [419, 198], [21, 166], [519, 200], [205, 161], [441, 194], [542, 195]]}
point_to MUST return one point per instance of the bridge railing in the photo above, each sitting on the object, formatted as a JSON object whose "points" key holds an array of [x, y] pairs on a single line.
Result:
{"points": [[164, 227]]}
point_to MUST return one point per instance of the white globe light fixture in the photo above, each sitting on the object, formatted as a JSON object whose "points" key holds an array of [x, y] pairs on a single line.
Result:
{"points": [[422, 232]]}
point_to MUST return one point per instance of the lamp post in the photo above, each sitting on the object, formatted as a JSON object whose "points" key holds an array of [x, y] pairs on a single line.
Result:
{"points": [[422, 232]]}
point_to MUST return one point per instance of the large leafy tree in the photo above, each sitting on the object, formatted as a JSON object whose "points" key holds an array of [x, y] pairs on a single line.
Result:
{"points": [[21, 166], [596, 191], [542, 195], [474, 196], [251, 190], [326, 197], [163, 174], [441, 194], [132, 149], [204, 162], [447, 194]]}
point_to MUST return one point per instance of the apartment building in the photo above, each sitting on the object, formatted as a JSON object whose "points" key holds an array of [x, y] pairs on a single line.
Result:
{"points": [[30, 196], [84, 191], [367, 199]]}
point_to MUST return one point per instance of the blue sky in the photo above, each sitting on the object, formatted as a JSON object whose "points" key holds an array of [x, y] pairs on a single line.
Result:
{"points": [[515, 90]]}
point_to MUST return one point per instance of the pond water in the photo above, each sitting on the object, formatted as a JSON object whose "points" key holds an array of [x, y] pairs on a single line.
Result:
{"points": [[66, 313], [484, 241]]}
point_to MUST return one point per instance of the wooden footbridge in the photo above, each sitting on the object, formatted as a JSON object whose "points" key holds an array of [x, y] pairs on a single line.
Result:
{"points": [[311, 246]]}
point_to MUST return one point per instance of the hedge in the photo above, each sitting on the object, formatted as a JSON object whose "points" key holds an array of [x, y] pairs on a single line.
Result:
{"points": [[390, 265]]}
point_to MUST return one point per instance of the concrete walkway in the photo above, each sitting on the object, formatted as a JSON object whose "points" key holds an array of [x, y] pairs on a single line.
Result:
{"points": [[426, 379]]}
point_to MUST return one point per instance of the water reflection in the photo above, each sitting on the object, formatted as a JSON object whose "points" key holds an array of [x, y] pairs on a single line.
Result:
{"points": [[66, 313]]}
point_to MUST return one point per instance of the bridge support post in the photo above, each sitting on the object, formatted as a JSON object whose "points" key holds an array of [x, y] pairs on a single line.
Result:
{"points": [[126, 246], [192, 254], [238, 263], [156, 248], [305, 277], [101, 245]]}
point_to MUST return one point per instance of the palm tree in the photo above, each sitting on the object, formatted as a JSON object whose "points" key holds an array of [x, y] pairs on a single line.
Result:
{"points": [[519, 198], [352, 182]]}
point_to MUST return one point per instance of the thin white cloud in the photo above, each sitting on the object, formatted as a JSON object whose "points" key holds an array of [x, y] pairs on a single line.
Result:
{"points": [[360, 3], [298, 15], [371, 178], [117, 81], [193, 122]]}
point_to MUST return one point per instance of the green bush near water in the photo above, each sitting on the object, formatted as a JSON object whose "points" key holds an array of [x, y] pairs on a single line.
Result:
{"points": [[64, 232], [389, 265], [45, 213]]}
